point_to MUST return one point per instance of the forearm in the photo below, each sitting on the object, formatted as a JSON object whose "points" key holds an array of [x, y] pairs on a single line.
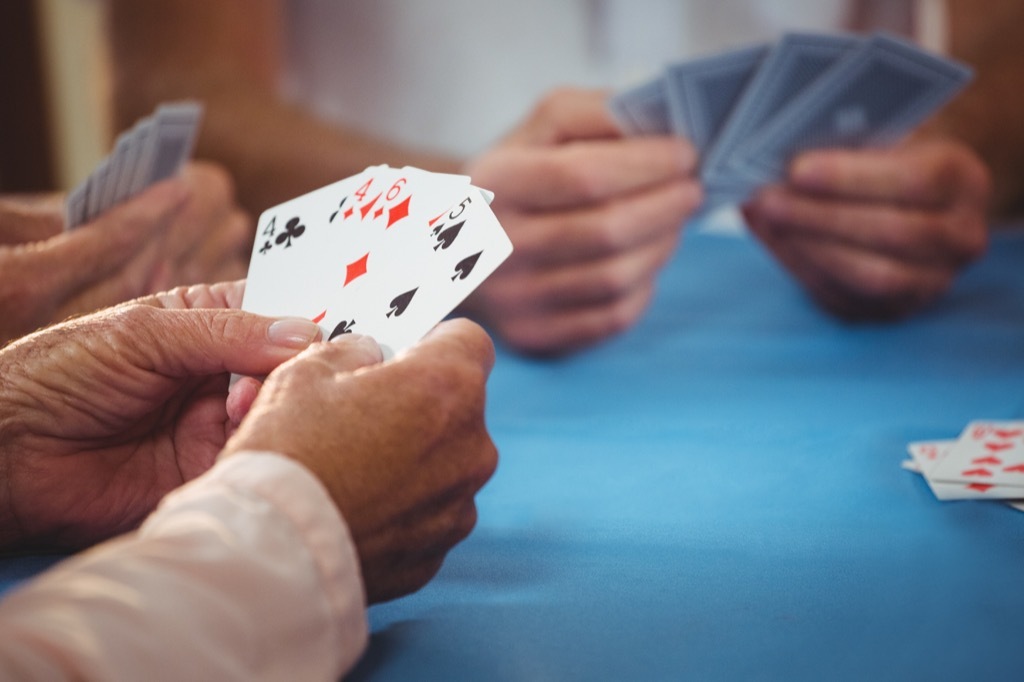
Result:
{"points": [[247, 573], [987, 115], [276, 151]]}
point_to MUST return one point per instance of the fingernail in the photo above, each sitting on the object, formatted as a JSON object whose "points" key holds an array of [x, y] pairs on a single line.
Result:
{"points": [[293, 332]]}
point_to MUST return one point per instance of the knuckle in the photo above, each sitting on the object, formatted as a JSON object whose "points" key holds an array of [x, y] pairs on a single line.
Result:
{"points": [[463, 523], [214, 179], [623, 314], [613, 282], [607, 232], [570, 173], [552, 103]]}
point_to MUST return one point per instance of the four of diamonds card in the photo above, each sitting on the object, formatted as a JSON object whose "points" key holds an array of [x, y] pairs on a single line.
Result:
{"points": [[387, 253]]}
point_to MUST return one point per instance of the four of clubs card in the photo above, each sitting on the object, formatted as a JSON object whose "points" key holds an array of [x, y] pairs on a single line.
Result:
{"points": [[387, 253]]}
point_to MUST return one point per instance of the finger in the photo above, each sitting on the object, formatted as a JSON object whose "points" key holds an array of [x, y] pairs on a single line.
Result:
{"points": [[101, 249], [567, 114], [953, 237], [20, 224], [459, 338], [205, 341], [349, 352], [224, 254], [577, 285], [929, 175], [570, 330], [588, 172], [854, 283], [220, 295], [241, 395], [558, 238]]}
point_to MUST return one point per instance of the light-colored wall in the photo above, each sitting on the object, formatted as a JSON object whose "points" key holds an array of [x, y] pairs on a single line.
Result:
{"points": [[78, 80]]}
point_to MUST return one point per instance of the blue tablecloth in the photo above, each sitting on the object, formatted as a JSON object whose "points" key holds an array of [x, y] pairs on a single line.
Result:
{"points": [[717, 495]]}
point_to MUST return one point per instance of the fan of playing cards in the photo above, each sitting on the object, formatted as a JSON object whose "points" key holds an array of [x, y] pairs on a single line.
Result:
{"points": [[750, 111], [154, 150], [387, 253], [985, 463]]}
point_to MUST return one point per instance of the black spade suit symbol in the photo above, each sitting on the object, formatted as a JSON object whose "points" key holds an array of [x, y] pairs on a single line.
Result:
{"points": [[401, 302], [466, 265], [344, 327], [447, 236]]}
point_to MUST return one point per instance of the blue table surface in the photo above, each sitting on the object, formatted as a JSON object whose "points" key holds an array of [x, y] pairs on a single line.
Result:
{"points": [[717, 495]]}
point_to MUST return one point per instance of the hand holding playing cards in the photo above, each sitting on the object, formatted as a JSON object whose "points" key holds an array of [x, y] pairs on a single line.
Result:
{"points": [[102, 416], [52, 274], [877, 234], [593, 216], [401, 446]]}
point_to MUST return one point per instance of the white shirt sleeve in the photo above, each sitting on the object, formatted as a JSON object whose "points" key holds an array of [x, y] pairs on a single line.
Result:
{"points": [[248, 572]]}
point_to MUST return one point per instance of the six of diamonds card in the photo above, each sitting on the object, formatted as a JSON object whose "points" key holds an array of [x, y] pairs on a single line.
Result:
{"points": [[387, 253]]}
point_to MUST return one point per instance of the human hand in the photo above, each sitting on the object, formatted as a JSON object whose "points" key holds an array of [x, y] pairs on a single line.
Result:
{"points": [[47, 274], [103, 415], [183, 231], [593, 216], [401, 446], [877, 234], [210, 240]]}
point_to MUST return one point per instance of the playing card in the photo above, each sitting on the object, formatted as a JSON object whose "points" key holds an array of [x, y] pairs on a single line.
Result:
{"points": [[985, 454], [643, 109], [387, 253], [145, 143], [794, 63], [75, 206], [701, 93], [97, 185], [116, 161], [414, 288], [153, 150], [873, 96], [175, 128], [126, 169], [926, 457]]}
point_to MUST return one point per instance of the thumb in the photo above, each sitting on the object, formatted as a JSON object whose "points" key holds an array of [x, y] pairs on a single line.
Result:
{"points": [[205, 341], [345, 354]]}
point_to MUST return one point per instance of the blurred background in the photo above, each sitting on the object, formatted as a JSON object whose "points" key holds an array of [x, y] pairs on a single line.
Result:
{"points": [[54, 73]]}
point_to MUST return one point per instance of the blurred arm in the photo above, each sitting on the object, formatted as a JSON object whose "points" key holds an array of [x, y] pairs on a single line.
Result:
{"points": [[987, 116], [246, 573], [229, 55]]}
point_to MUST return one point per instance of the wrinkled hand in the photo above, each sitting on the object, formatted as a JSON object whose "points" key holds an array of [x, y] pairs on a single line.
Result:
{"points": [[210, 240], [47, 275], [102, 416], [401, 446], [877, 234], [592, 215], [183, 231]]}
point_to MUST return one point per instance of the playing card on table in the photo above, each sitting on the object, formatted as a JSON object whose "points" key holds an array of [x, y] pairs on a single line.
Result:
{"points": [[926, 457], [873, 96], [985, 454], [387, 253], [702, 93]]}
